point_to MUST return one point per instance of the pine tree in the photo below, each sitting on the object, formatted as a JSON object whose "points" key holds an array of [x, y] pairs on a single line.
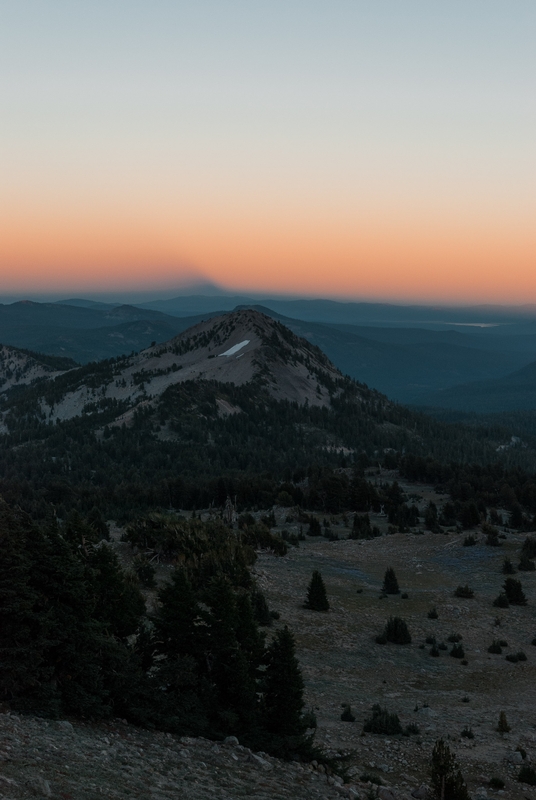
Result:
{"points": [[446, 779], [390, 583], [514, 592], [282, 701], [20, 635], [117, 601], [317, 599]]}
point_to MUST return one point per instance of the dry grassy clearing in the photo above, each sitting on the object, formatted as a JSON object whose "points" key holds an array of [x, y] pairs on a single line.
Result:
{"points": [[342, 663]]}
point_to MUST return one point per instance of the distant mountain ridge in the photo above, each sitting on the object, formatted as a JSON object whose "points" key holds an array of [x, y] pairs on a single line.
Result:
{"points": [[513, 392]]}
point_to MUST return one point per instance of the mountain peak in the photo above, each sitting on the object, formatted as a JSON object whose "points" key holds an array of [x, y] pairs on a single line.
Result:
{"points": [[246, 345]]}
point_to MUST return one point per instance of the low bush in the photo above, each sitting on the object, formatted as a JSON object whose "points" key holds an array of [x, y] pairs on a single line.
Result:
{"points": [[347, 715], [368, 777], [434, 651], [496, 783], [430, 640], [467, 733], [432, 614], [382, 722], [464, 591], [457, 651], [526, 564], [442, 646], [454, 637], [501, 601], [411, 730], [495, 648], [515, 657], [469, 541], [527, 775]]}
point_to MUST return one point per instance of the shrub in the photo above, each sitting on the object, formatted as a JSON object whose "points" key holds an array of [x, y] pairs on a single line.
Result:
{"points": [[145, 572], [442, 646], [317, 599], [434, 651], [382, 722], [495, 648], [501, 601], [508, 567], [527, 775], [381, 639], [454, 637], [457, 651], [411, 730], [492, 535], [430, 640], [464, 591], [515, 657], [502, 725], [404, 596], [469, 541], [514, 592], [368, 777], [503, 642], [347, 715], [496, 783], [390, 582], [467, 733], [533, 642], [432, 614], [396, 631], [526, 564]]}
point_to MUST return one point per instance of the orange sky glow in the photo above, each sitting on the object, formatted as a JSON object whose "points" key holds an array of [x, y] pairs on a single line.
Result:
{"points": [[352, 150]]}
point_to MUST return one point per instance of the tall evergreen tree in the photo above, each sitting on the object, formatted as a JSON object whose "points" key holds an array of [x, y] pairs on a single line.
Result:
{"points": [[317, 599], [282, 702], [390, 582], [446, 779]]}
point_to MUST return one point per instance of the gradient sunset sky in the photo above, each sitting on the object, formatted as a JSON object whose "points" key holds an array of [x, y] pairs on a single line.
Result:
{"points": [[371, 150]]}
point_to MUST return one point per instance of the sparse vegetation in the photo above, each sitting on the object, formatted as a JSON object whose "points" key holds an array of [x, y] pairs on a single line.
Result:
{"points": [[347, 715], [432, 614], [382, 722]]}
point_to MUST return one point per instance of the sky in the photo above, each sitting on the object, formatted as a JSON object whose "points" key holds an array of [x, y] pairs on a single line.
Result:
{"points": [[335, 148]]}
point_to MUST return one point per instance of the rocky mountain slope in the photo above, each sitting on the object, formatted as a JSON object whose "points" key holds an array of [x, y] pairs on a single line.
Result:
{"points": [[235, 348], [22, 368]]}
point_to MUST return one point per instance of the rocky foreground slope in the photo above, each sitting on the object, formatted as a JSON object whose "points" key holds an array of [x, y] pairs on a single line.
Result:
{"points": [[60, 759]]}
